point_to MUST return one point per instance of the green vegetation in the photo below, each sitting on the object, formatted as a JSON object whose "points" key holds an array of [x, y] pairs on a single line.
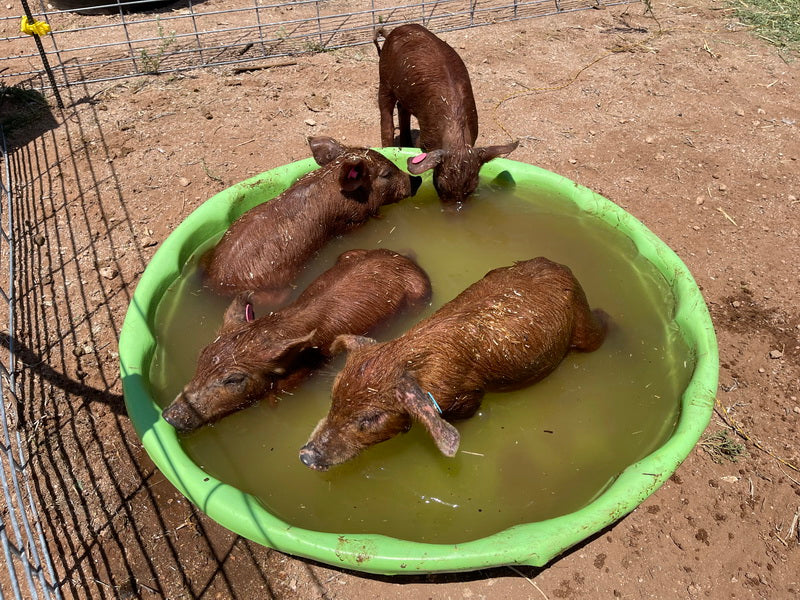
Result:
{"points": [[314, 46], [776, 21], [151, 63], [720, 446]]}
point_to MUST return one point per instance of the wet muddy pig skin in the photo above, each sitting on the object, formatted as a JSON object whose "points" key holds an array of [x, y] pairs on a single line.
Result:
{"points": [[507, 331], [265, 248], [423, 76], [256, 358]]}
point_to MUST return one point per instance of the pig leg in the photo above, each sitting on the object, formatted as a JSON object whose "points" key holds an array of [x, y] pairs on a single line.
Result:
{"points": [[404, 123], [386, 103]]}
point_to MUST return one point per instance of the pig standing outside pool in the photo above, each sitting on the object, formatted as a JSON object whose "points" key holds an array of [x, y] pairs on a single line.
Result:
{"points": [[423, 76]]}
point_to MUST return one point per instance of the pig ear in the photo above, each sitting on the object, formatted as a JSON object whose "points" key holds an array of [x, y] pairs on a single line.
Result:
{"points": [[325, 149], [349, 342], [289, 349], [239, 311], [423, 408], [425, 161], [489, 152], [353, 173]]}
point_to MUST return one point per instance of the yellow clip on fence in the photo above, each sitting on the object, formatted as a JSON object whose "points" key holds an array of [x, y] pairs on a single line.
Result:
{"points": [[34, 27]]}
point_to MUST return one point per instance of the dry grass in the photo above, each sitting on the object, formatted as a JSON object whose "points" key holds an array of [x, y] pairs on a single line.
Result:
{"points": [[776, 21], [720, 446]]}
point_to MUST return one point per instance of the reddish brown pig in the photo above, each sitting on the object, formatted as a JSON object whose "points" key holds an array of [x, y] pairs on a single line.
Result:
{"points": [[258, 358], [424, 77], [508, 330], [265, 248]]}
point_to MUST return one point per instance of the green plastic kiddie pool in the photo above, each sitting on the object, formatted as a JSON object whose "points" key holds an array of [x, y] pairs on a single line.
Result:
{"points": [[526, 544]]}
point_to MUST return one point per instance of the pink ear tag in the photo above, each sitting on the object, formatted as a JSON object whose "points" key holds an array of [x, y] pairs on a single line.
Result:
{"points": [[249, 314], [419, 158], [353, 174]]}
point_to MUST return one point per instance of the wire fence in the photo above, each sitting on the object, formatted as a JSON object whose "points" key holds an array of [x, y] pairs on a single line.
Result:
{"points": [[188, 34]]}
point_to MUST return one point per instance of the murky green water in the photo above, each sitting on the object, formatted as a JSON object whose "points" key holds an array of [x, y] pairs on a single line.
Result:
{"points": [[527, 455]]}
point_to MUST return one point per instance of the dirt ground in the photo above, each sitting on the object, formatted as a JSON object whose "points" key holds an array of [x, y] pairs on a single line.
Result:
{"points": [[689, 122]]}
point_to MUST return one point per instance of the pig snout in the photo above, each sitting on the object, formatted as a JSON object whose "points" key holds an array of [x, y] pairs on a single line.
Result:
{"points": [[312, 454], [182, 415], [311, 457], [415, 183]]}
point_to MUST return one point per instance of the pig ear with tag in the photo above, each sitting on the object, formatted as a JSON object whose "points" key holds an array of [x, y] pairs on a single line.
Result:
{"points": [[239, 311], [353, 174], [349, 342], [325, 149], [423, 408], [489, 152], [425, 161]]}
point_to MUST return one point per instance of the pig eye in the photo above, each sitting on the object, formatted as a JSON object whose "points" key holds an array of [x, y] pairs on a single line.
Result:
{"points": [[386, 173], [369, 421], [234, 379]]}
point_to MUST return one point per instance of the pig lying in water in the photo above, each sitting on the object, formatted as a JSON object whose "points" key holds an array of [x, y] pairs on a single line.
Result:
{"points": [[264, 249], [258, 358], [423, 76], [508, 330]]}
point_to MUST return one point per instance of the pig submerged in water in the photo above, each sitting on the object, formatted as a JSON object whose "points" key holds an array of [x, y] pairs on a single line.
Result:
{"points": [[265, 248], [508, 330], [257, 358], [423, 76]]}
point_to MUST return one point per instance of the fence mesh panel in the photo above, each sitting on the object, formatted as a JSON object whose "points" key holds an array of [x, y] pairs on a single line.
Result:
{"points": [[30, 573], [193, 33]]}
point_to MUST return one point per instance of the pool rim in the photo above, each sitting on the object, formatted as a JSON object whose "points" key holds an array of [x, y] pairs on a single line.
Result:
{"points": [[532, 544]]}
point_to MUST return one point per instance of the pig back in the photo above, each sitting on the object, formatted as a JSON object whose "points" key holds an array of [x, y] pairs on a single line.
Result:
{"points": [[509, 329], [360, 292], [265, 248]]}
